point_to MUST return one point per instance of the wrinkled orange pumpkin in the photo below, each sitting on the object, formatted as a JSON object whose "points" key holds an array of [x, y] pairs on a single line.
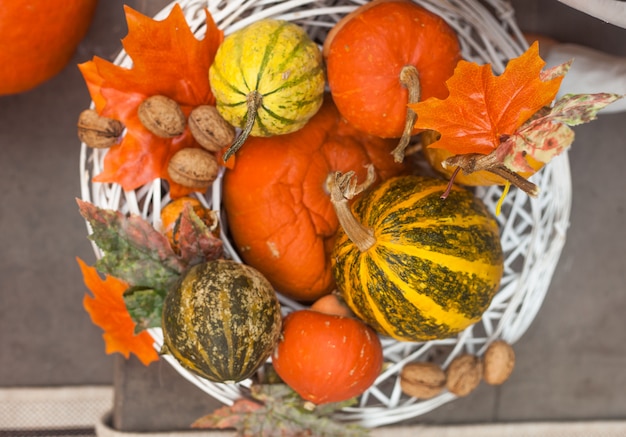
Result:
{"points": [[38, 39], [277, 203], [369, 55], [327, 358]]}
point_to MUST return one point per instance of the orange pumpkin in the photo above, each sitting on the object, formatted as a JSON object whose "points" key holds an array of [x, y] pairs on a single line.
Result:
{"points": [[171, 214], [332, 304], [38, 39], [277, 203], [370, 54], [327, 358]]}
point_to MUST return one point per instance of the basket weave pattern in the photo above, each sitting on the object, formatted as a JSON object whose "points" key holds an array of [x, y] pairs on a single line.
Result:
{"points": [[533, 230]]}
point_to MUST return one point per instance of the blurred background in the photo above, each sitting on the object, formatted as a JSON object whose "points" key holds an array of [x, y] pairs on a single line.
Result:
{"points": [[570, 363]]}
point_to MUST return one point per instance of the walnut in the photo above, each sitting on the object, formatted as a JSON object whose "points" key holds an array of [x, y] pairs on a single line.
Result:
{"points": [[422, 380], [498, 362], [464, 374], [162, 116], [97, 131], [193, 168], [210, 129]]}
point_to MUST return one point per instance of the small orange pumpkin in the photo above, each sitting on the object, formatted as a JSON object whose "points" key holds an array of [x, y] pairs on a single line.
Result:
{"points": [[39, 38], [383, 55], [171, 214], [327, 358], [332, 304], [277, 203]]}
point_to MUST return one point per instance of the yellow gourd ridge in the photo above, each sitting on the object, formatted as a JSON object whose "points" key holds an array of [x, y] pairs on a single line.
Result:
{"points": [[435, 264]]}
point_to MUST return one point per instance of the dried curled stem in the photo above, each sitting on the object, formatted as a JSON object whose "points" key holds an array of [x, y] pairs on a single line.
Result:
{"points": [[343, 187], [253, 101], [472, 162], [409, 78]]}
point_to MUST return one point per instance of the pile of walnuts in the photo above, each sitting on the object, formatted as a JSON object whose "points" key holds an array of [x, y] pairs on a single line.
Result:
{"points": [[425, 380], [191, 167]]}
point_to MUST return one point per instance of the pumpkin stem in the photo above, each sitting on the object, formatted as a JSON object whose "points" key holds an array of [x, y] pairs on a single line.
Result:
{"points": [[446, 193], [409, 78], [471, 162], [343, 187], [253, 102]]}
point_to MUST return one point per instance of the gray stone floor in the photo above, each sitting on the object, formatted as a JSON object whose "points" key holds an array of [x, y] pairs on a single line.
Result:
{"points": [[570, 363]]}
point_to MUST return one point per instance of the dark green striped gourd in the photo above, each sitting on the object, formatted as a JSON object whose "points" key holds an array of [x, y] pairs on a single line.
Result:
{"points": [[267, 79], [430, 267], [221, 321]]}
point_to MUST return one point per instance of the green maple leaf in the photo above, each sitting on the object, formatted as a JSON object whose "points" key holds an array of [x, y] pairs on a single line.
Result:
{"points": [[145, 307], [133, 250], [138, 254], [275, 410]]}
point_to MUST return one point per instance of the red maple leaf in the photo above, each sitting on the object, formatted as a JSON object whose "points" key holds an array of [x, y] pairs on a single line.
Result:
{"points": [[108, 311], [167, 60], [482, 109]]}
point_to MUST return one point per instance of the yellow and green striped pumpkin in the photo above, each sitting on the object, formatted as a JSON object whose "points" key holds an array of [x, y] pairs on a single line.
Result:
{"points": [[221, 321], [434, 265], [276, 62]]}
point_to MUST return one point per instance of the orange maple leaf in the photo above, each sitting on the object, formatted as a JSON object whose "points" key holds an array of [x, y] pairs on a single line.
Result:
{"points": [[482, 109], [108, 311], [167, 59]]}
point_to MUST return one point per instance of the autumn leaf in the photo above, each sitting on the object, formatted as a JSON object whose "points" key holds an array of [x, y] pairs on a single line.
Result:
{"points": [[168, 60], [575, 109], [275, 410], [196, 240], [145, 307], [483, 108], [507, 124], [108, 311], [228, 416], [548, 133], [133, 250]]}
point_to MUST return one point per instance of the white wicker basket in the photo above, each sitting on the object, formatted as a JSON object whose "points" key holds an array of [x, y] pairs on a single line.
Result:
{"points": [[533, 229]]}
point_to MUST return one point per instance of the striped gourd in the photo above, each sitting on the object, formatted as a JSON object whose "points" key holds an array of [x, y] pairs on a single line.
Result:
{"points": [[221, 321], [267, 79], [412, 265]]}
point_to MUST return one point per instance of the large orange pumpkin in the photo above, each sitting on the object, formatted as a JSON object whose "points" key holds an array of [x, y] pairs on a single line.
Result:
{"points": [[277, 204], [38, 39], [378, 53]]}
